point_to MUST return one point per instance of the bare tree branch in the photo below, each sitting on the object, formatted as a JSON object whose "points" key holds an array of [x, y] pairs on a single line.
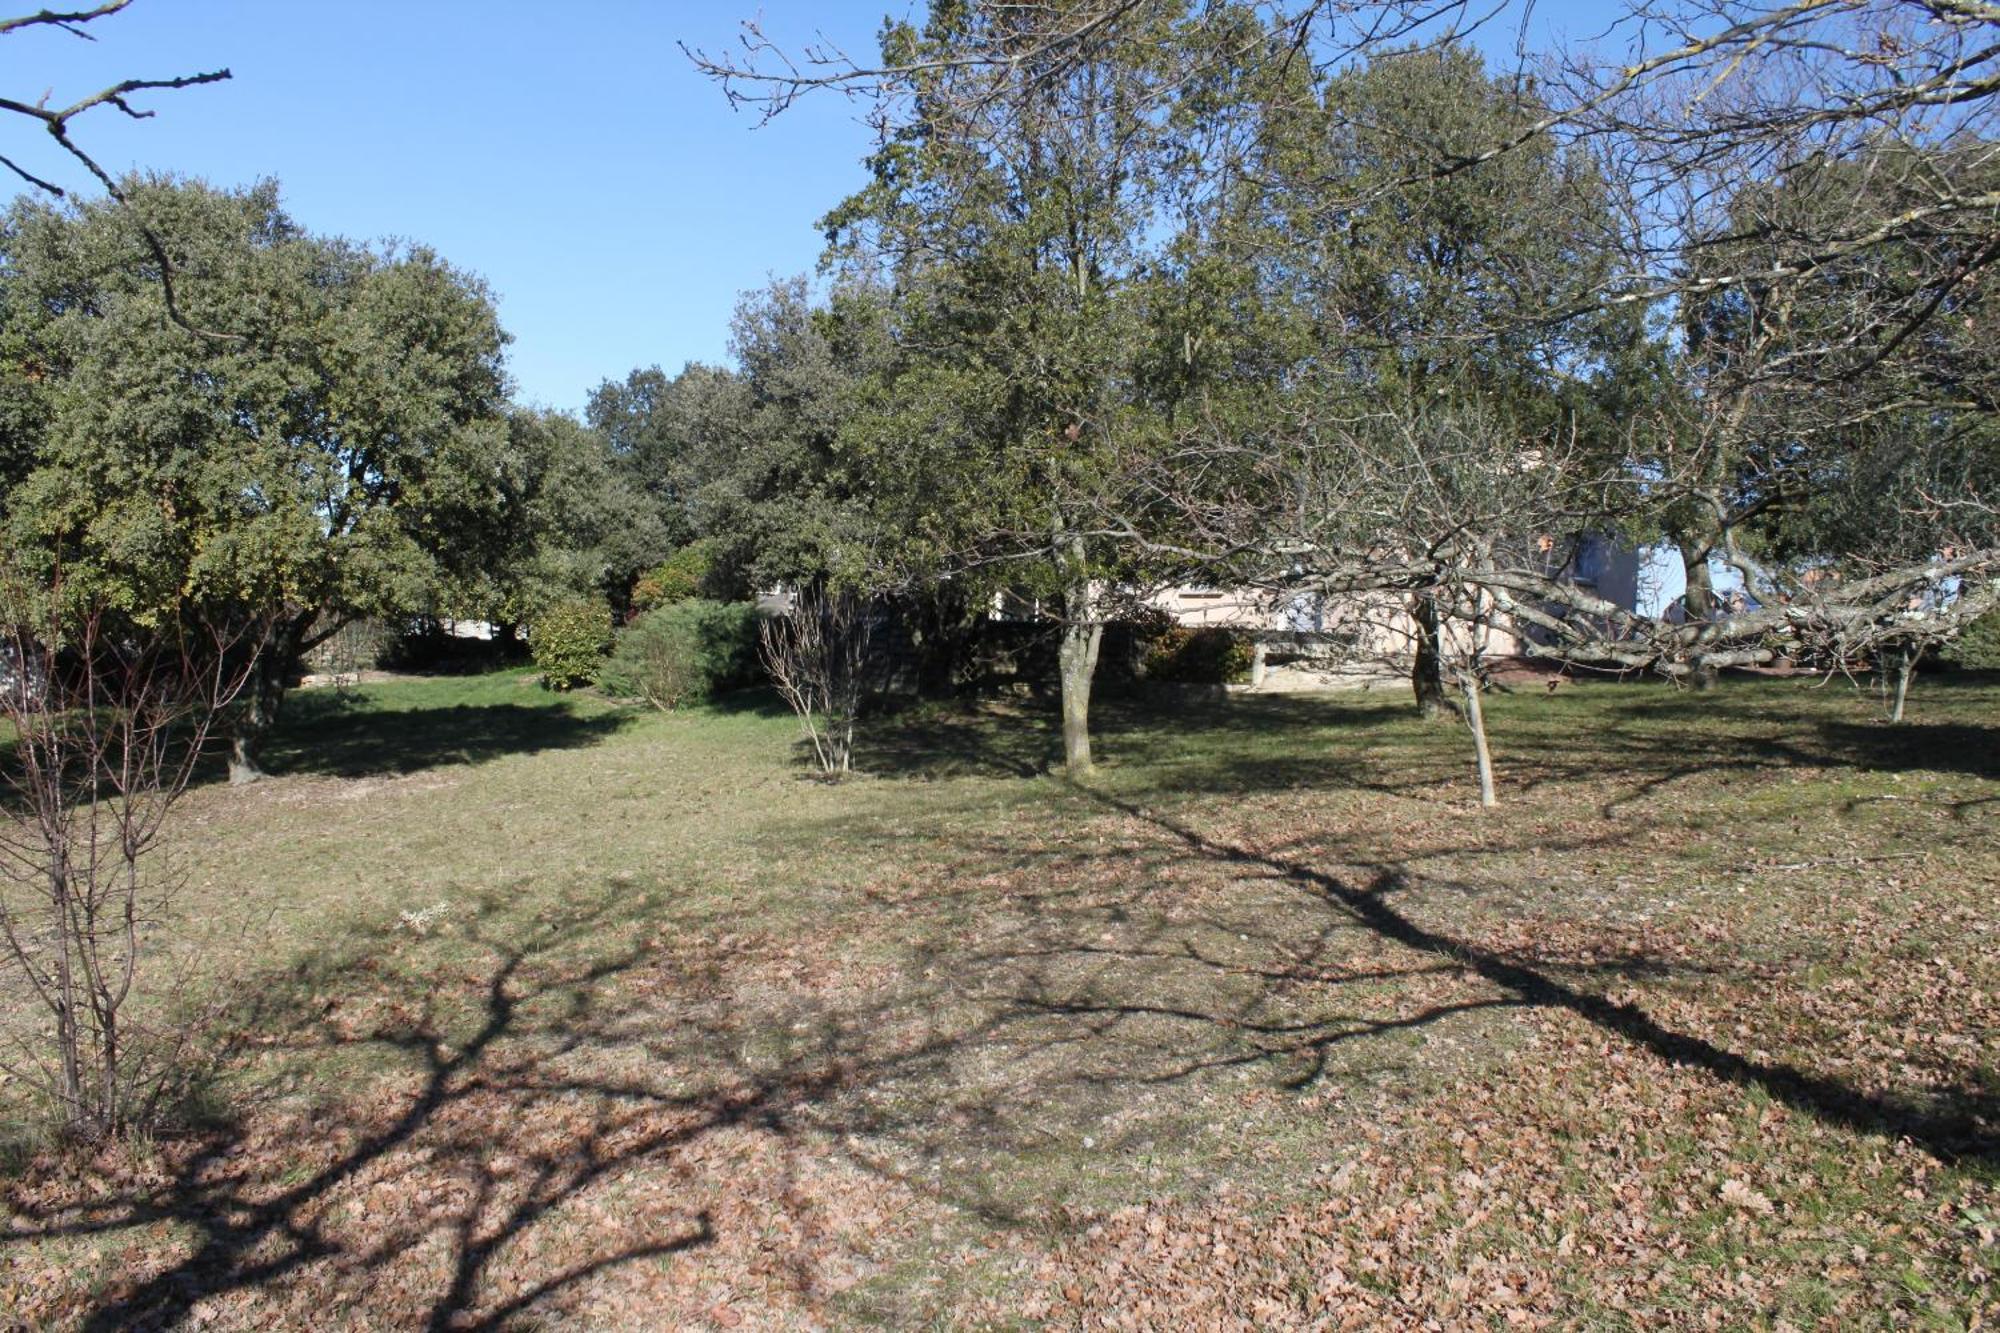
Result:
{"points": [[58, 123]]}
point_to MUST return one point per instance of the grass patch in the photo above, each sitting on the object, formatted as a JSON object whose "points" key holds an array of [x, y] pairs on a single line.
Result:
{"points": [[537, 1006]]}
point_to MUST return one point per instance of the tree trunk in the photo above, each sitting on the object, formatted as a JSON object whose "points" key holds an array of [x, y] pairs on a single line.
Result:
{"points": [[1077, 657], [1475, 718], [1906, 666], [110, 1118], [263, 697], [246, 742], [69, 1040], [1698, 604], [1427, 670]]}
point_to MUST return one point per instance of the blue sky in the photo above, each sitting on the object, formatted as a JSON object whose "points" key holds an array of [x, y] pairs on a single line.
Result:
{"points": [[565, 152]]}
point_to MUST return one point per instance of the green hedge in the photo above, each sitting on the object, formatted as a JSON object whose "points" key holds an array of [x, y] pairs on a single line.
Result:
{"points": [[569, 641], [684, 653], [1210, 656]]}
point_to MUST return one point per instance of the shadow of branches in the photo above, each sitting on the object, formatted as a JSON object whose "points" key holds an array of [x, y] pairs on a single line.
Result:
{"points": [[1064, 1005], [1961, 1125], [540, 1099]]}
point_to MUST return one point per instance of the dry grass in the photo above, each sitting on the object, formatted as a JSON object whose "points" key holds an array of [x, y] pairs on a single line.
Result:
{"points": [[540, 1012]]}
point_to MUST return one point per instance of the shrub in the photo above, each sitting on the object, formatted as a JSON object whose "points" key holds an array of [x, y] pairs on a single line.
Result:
{"points": [[1211, 656], [678, 578], [684, 653], [1978, 646], [817, 656], [569, 641]]}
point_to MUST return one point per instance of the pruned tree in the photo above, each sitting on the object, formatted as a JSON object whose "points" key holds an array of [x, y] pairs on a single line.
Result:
{"points": [[1428, 294], [1370, 358], [1839, 409], [1391, 507], [109, 722], [1809, 198], [817, 654]]}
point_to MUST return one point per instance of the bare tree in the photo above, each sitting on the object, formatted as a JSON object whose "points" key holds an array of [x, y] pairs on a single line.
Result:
{"points": [[1407, 511], [1048, 43], [817, 654], [107, 730]]}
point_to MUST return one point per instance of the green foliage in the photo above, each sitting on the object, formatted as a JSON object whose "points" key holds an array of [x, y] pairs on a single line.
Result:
{"points": [[1978, 647], [684, 653], [573, 523], [681, 577], [748, 462], [1206, 656], [1019, 215], [326, 455], [569, 641]]}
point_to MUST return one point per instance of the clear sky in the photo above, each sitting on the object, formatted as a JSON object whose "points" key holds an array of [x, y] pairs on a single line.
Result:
{"points": [[566, 152]]}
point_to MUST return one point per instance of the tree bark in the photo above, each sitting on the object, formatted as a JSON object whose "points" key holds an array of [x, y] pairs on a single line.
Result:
{"points": [[264, 697], [69, 1041], [1906, 667], [1698, 604], [1475, 718], [1082, 634], [1427, 670]]}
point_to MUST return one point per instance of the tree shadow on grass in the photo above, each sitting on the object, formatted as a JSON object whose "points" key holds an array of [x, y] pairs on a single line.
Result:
{"points": [[491, 1131], [338, 735], [1021, 737], [1014, 738], [1243, 744], [1734, 722], [565, 1062], [1963, 1124], [1658, 763], [559, 1049], [1936, 747], [751, 701]]}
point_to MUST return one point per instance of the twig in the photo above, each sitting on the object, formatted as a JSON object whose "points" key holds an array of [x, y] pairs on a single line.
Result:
{"points": [[1833, 861]]}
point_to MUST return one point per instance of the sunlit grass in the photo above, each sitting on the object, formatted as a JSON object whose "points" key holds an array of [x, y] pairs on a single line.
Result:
{"points": [[999, 1005]]}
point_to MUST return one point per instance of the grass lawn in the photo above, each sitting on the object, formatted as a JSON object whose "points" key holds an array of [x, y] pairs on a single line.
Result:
{"points": [[533, 1012]]}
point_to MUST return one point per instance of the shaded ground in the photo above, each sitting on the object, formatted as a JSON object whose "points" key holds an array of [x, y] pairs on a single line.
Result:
{"points": [[412, 725], [537, 1011]]}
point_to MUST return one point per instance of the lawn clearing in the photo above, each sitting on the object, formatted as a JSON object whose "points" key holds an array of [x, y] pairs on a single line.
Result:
{"points": [[536, 1011]]}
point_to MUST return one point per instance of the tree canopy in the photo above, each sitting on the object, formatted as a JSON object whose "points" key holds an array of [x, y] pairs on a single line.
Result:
{"points": [[327, 454]]}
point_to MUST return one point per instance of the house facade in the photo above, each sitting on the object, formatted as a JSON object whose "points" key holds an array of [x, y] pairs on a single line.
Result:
{"points": [[1309, 640]]}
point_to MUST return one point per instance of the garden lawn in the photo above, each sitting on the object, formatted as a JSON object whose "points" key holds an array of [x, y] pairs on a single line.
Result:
{"points": [[528, 1011]]}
